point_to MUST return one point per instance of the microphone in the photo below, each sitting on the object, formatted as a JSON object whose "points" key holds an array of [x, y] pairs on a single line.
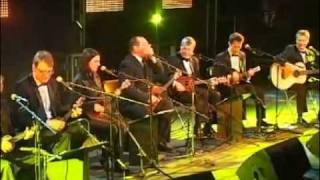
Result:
{"points": [[204, 58], [248, 47], [60, 80], [79, 24], [111, 72], [16, 97], [77, 121], [122, 164], [314, 50]]}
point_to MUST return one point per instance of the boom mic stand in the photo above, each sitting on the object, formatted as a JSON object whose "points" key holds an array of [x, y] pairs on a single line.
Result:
{"points": [[131, 135], [142, 154], [280, 61], [40, 161], [193, 108]]}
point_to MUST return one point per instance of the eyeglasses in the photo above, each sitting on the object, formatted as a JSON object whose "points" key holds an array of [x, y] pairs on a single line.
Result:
{"points": [[49, 72]]}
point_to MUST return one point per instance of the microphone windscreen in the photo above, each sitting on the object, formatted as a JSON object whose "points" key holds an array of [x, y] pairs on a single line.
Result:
{"points": [[59, 79], [247, 46], [103, 68], [13, 96]]}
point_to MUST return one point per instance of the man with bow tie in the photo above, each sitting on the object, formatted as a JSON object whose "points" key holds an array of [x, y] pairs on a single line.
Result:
{"points": [[204, 98], [48, 100], [299, 52], [233, 62]]}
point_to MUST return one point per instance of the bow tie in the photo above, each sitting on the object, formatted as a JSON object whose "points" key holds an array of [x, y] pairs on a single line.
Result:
{"points": [[43, 84], [303, 52], [235, 55]]}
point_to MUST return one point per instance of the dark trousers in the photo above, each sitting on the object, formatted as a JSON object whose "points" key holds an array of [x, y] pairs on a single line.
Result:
{"points": [[301, 91], [135, 111], [110, 133], [203, 100], [257, 95]]}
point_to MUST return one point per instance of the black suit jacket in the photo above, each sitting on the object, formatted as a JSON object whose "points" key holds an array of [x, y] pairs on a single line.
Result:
{"points": [[291, 54], [222, 63], [186, 97], [177, 61], [27, 88], [6, 123], [222, 67], [85, 79], [138, 91]]}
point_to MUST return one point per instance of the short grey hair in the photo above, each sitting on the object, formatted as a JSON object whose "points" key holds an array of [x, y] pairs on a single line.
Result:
{"points": [[44, 56], [303, 32], [187, 41]]}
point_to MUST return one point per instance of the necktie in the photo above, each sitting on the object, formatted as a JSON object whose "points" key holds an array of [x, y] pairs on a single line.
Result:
{"points": [[43, 84]]}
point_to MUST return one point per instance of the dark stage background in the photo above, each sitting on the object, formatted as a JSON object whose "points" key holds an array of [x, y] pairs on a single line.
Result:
{"points": [[46, 24]]}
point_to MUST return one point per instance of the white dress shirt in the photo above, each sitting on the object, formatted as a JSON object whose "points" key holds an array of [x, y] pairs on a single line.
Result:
{"points": [[235, 62], [188, 66], [45, 98]]}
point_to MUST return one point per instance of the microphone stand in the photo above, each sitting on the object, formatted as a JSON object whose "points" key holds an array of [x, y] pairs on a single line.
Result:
{"points": [[114, 112], [280, 61], [193, 108], [274, 60], [40, 164], [142, 154], [108, 94], [131, 135]]}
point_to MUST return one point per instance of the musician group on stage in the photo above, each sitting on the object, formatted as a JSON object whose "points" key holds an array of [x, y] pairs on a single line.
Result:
{"points": [[149, 86]]}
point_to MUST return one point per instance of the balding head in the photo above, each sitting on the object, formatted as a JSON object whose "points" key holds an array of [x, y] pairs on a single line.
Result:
{"points": [[139, 46]]}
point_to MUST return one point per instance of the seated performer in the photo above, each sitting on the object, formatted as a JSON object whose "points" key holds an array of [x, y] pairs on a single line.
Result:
{"points": [[9, 149], [45, 97], [7, 172], [99, 111], [233, 62], [299, 53], [140, 66], [187, 62]]}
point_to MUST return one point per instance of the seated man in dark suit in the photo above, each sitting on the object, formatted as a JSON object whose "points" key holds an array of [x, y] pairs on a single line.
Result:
{"points": [[204, 96], [232, 62], [46, 99], [141, 66], [299, 53]]}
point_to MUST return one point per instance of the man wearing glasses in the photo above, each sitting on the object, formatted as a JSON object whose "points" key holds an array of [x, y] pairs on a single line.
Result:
{"points": [[42, 92], [48, 100]]}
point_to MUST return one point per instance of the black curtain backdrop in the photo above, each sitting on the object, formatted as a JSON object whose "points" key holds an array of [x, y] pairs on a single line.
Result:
{"points": [[46, 24]]}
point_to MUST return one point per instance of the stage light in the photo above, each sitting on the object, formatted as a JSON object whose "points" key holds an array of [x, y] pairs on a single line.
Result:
{"points": [[4, 10], [156, 19]]}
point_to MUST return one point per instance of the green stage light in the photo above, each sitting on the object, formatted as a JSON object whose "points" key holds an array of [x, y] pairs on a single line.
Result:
{"points": [[156, 19]]}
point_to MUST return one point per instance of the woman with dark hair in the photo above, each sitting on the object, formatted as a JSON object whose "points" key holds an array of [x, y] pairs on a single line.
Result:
{"points": [[90, 77], [97, 107]]}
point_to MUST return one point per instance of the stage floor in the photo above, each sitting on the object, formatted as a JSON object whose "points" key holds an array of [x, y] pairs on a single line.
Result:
{"points": [[224, 158]]}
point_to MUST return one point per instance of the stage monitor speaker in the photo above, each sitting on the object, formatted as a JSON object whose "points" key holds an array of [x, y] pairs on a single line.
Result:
{"points": [[67, 169], [208, 175], [283, 161], [313, 144]]}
